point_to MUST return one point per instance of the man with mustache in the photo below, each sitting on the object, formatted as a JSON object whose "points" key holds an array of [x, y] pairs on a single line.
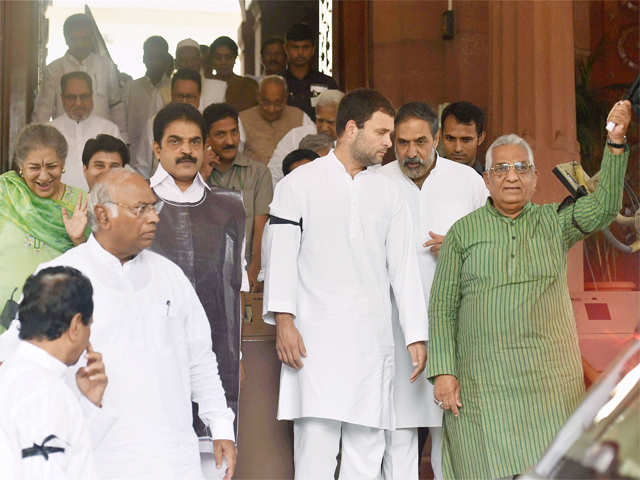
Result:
{"points": [[274, 58], [81, 57], [186, 87], [438, 192], [236, 171], [78, 124], [202, 230], [462, 133], [154, 335], [339, 240]]}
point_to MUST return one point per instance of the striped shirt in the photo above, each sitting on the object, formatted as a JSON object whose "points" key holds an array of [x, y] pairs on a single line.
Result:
{"points": [[501, 321]]}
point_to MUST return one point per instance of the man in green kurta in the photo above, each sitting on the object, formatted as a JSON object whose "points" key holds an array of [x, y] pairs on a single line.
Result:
{"points": [[503, 345]]}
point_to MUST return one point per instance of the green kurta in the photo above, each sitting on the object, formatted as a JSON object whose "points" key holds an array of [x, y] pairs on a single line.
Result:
{"points": [[501, 321]]}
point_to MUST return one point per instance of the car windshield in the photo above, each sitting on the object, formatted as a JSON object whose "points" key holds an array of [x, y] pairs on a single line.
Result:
{"points": [[602, 437]]}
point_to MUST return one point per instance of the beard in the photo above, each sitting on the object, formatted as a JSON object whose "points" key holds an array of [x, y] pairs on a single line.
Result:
{"points": [[361, 154], [422, 169]]}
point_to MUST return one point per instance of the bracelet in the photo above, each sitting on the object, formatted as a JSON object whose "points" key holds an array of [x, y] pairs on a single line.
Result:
{"points": [[617, 145]]}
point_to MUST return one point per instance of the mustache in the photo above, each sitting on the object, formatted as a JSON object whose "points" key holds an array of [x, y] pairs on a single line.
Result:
{"points": [[229, 147], [416, 159], [186, 158]]}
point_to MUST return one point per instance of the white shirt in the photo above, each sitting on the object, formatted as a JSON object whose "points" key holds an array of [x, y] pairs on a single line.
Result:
{"points": [[450, 192], [335, 276], [107, 97], [165, 187], [77, 134], [139, 105], [155, 339], [36, 403], [286, 145]]}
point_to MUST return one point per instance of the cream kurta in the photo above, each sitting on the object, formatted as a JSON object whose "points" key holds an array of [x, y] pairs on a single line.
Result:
{"points": [[335, 278], [450, 192]]}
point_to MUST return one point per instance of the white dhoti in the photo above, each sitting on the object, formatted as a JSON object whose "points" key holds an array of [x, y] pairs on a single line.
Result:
{"points": [[316, 445]]}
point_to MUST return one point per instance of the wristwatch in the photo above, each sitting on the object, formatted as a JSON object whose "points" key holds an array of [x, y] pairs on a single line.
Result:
{"points": [[617, 145]]}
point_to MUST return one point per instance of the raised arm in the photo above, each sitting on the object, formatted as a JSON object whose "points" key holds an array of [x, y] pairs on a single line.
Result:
{"points": [[597, 210]]}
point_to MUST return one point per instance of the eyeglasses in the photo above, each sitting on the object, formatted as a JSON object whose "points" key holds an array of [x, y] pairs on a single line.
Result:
{"points": [[185, 98], [142, 209], [83, 97], [521, 168]]}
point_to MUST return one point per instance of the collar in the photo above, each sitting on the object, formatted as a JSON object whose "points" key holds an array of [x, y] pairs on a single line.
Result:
{"points": [[162, 176], [289, 75], [338, 165], [68, 119], [75, 61], [28, 351], [496, 213], [107, 258]]}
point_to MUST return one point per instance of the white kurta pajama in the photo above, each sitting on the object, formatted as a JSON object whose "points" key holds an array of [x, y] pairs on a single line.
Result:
{"points": [[334, 275], [77, 134], [107, 95], [450, 192], [37, 404], [155, 341]]}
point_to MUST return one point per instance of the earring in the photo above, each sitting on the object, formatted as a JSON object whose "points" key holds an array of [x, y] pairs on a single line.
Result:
{"points": [[20, 173], [64, 170]]}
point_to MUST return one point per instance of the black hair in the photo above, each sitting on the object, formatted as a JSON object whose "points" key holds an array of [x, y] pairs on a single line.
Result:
{"points": [[176, 111], [75, 21], [216, 112], [71, 75], [419, 110], [296, 156], [271, 41], [50, 299], [299, 32], [224, 42], [359, 105], [464, 112], [104, 143], [186, 74], [155, 40]]}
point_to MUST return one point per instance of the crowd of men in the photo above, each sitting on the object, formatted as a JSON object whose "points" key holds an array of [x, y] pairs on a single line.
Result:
{"points": [[436, 260]]}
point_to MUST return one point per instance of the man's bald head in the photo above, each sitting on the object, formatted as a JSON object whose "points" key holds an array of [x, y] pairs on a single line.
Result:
{"points": [[272, 97], [123, 213]]}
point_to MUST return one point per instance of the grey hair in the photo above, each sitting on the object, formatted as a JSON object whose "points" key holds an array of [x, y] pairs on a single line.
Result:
{"points": [[509, 139], [329, 97], [316, 142], [273, 78], [101, 195], [38, 135]]}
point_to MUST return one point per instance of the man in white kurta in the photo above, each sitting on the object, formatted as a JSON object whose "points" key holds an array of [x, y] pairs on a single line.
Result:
{"points": [[438, 192], [154, 335], [43, 430], [339, 238], [78, 124], [80, 57]]}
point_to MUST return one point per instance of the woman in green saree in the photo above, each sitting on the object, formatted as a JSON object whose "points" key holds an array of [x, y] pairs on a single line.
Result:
{"points": [[35, 220]]}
